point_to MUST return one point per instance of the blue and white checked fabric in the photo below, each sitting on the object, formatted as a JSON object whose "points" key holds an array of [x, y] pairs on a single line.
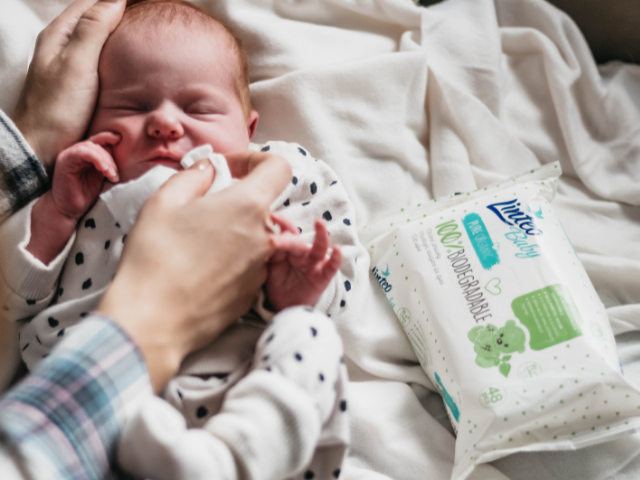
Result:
{"points": [[22, 176], [63, 421]]}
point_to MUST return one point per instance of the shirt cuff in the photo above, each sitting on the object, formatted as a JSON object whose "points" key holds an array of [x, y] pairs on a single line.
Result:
{"points": [[68, 414], [22, 176]]}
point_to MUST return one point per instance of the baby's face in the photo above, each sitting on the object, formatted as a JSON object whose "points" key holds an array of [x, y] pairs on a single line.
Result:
{"points": [[165, 97]]}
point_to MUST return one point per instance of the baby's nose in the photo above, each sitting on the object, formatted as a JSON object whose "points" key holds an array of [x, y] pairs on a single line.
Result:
{"points": [[165, 125]]}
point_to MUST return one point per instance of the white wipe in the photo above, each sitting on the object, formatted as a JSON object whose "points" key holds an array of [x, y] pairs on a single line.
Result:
{"points": [[125, 200], [223, 174], [504, 320]]}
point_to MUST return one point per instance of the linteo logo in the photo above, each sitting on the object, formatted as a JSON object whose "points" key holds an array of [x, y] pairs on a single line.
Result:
{"points": [[380, 277], [510, 213]]}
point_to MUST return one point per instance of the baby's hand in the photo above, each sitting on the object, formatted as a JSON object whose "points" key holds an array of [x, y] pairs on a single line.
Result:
{"points": [[80, 171], [298, 272]]}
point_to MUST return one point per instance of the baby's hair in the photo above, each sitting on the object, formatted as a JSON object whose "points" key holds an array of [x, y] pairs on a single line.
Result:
{"points": [[166, 12]]}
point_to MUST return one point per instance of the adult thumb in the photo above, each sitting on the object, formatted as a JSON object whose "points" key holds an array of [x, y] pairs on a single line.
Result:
{"points": [[187, 185]]}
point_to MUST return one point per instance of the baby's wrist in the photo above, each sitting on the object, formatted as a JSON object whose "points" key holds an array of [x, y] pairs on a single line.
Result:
{"points": [[50, 229]]}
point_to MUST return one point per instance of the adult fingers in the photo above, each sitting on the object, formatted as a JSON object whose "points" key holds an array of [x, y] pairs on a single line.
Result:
{"points": [[92, 30], [187, 185], [56, 35], [267, 180]]}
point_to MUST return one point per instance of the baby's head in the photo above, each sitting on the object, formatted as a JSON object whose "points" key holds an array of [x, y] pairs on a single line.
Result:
{"points": [[172, 77]]}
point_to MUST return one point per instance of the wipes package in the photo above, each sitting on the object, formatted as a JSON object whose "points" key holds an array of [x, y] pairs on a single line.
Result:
{"points": [[504, 320]]}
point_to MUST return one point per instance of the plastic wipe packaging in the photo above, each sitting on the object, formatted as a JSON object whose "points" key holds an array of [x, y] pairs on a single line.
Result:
{"points": [[504, 320]]}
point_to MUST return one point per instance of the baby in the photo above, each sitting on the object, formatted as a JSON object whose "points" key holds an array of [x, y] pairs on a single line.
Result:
{"points": [[268, 395]]}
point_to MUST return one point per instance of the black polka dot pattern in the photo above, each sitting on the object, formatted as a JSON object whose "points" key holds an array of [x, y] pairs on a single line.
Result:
{"points": [[86, 284], [308, 475], [287, 203], [298, 357], [336, 473], [266, 148], [124, 238], [343, 406], [202, 411], [89, 223], [53, 322], [313, 188], [302, 151], [299, 229], [31, 302], [294, 180], [107, 244], [347, 285], [333, 183], [327, 216], [306, 203], [179, 393], [342, 303], [79, 258], [61, 333], [265, 358], [321, 377], [270, 337], [117, 225], [346, 221], [83, 314], [314, 332]]}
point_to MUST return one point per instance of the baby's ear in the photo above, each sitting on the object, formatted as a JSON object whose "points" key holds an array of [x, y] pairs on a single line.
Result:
{"points": [[252, 123]]}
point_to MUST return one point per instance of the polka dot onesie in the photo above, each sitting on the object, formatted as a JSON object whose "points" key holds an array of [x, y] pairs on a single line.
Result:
{"points": [[269, 392]]}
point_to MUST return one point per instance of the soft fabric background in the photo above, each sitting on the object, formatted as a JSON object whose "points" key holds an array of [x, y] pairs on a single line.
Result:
{"points": [[409, 103]]}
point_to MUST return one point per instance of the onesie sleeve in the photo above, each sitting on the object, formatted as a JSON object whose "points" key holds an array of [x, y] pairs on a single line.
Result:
{"points": [[316, 193], [29, 285]]}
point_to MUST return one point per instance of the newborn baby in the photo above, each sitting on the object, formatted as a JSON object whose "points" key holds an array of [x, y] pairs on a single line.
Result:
{"points": [[268, 395]]}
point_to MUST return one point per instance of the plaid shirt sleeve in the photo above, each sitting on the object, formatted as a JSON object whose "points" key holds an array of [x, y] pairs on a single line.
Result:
{"points": [[64, 420], [22, 176]]}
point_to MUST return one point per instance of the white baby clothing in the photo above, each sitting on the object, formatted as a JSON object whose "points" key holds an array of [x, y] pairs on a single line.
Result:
{"points": [[304, 440]]}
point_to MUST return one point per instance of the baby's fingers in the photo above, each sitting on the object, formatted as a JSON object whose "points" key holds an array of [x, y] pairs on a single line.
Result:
{"points": [[106, 138], [320, 243], [285, 224], [290, 244], [103, 162], [332, 265]]}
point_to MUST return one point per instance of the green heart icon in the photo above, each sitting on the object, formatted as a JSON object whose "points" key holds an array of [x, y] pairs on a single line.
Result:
{"points": [[493, 286]]}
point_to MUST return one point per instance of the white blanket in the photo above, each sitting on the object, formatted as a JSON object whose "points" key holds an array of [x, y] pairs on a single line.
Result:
{"points": [[409, 103]]}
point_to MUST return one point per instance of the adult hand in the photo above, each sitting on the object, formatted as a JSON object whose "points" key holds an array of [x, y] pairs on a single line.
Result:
{"points": [[192, 265], [61, 88]]}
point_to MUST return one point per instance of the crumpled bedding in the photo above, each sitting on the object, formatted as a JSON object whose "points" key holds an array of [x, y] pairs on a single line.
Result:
{"points": [[409, 103]]}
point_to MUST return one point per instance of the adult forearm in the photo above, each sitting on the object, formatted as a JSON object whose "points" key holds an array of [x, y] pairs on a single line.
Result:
{"points": [[64, 420]]}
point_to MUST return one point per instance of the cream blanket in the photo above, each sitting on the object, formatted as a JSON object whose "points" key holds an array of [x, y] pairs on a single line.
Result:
{"points": [[409, 103]]}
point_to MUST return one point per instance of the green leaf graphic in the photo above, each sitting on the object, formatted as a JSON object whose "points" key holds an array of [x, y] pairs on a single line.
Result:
{"points": [[504, 368]]}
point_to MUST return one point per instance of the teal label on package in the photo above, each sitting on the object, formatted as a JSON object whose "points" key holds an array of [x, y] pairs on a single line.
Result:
{"points": [[550, 315], [481, 240], [448, 400]]}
